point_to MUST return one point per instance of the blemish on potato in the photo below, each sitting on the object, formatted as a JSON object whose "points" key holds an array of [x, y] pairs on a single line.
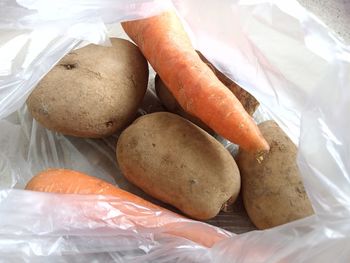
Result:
{"points": [[109, 123], [69, 66]]}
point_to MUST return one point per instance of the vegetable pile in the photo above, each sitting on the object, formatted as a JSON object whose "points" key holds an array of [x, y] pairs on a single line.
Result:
{"points": [[95, 91]]}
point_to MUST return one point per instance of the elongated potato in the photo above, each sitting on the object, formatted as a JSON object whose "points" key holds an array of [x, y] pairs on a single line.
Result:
{"points": [[272, 189], [178, 163], [93, 91]]}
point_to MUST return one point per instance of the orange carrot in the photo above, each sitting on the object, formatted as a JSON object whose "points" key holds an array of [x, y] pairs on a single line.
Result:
{"points": [[165, 44], [143, 213], [72, 182]]}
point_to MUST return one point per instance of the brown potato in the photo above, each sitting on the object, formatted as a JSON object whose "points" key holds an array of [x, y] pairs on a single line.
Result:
{"points": [[272, 189], [170, 103], [93, 91], [178, 163]]}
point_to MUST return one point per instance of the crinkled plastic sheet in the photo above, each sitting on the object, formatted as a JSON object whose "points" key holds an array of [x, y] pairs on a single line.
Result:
{"points": [[276, 50]]}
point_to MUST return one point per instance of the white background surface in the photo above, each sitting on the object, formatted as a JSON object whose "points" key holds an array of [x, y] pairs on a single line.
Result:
{"points": [[335, 13]]}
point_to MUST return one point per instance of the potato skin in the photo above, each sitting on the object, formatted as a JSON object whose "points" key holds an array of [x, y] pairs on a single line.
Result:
{"points": [[93, 91], [273, 192], [178, 163]]}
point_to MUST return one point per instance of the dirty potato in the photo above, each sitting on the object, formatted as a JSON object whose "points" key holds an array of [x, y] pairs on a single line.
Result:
{"points": [[272, 189], [178, 163], [93, 91]]}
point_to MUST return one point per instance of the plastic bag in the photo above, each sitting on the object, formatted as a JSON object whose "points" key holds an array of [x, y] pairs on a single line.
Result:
{"points": [[277, 51]]}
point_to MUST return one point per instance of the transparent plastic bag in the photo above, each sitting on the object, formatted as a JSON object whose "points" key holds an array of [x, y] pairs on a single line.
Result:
{"points": [[276, 50]]}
